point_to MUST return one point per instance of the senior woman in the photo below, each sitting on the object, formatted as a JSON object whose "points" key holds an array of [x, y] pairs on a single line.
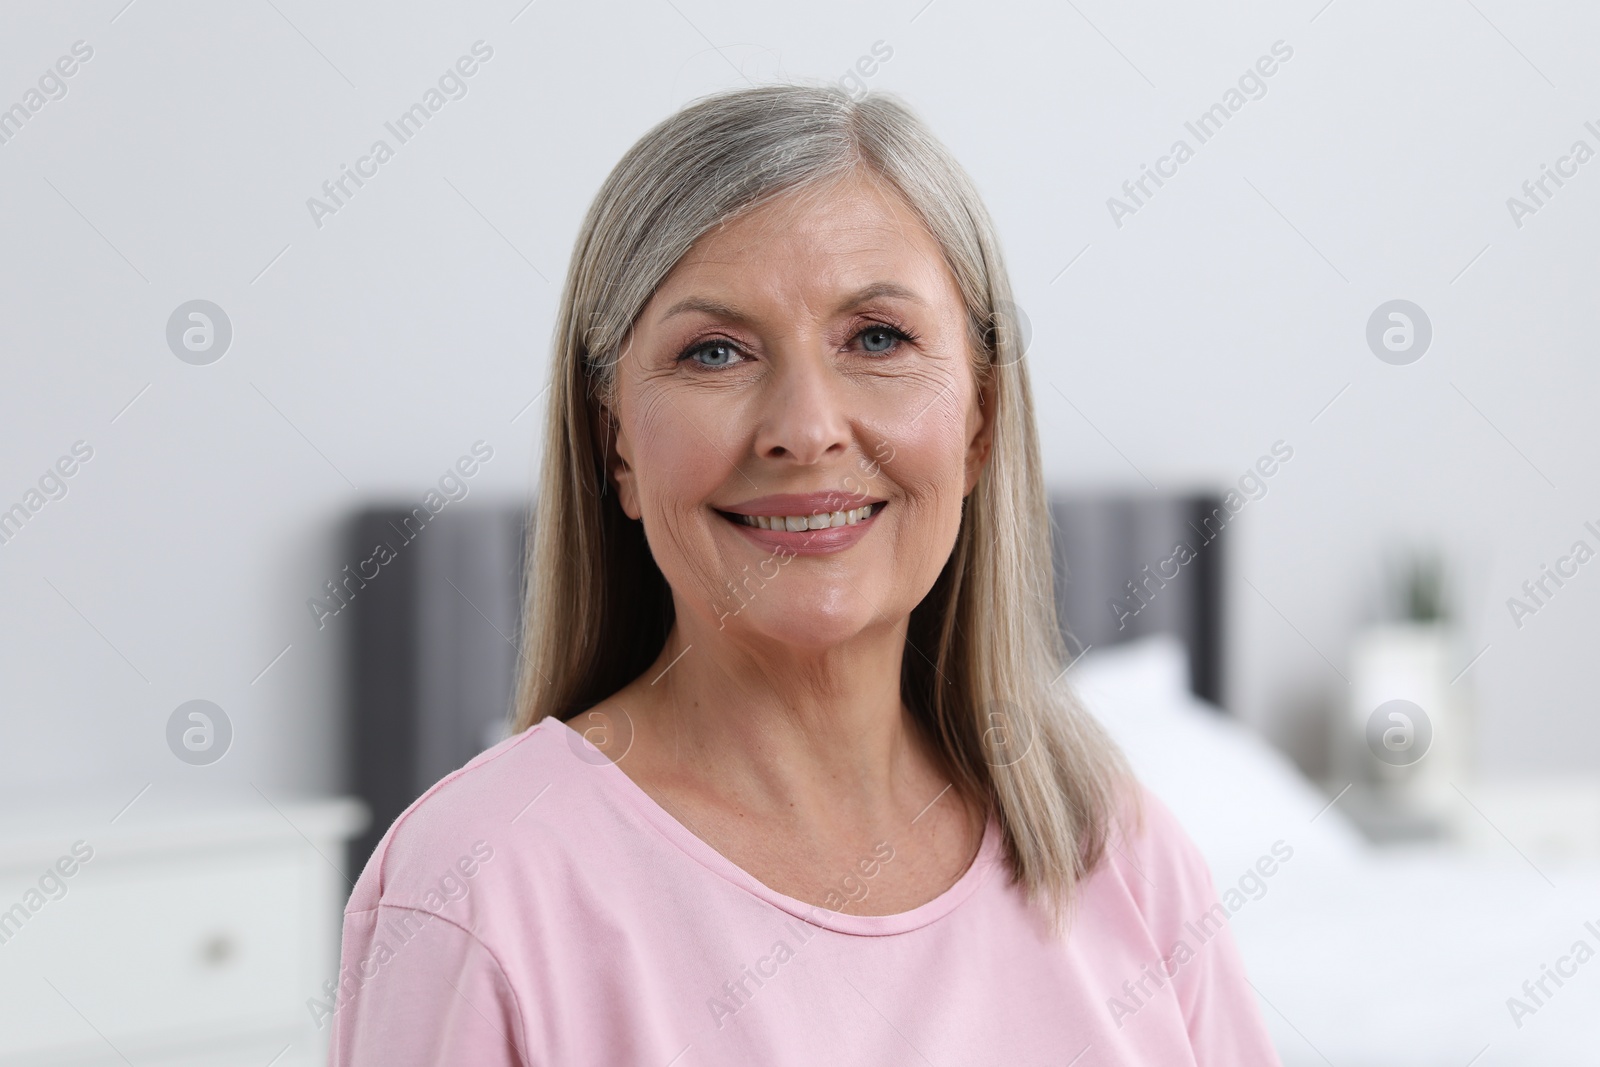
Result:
{"points": [[795, 779]]}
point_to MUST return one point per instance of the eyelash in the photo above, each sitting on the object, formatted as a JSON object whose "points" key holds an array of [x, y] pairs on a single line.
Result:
{"points": [[901, 334]]}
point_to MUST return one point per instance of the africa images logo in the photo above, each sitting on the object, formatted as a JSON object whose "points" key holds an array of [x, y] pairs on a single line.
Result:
{"points": [[199, 732]]}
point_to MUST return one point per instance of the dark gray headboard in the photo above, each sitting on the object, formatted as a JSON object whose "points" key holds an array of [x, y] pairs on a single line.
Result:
{"points": [[433, 641], [1127, 566]]}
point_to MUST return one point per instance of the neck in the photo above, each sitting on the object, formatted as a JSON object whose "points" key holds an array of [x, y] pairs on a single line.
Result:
{"points": [[814, 735]]}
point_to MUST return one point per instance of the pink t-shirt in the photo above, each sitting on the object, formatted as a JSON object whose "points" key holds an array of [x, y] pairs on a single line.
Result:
{"points": [[538, 908]]}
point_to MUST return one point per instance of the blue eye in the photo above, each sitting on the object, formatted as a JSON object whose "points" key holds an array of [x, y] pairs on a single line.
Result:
{"points": [[879, 338], [713, 354]]}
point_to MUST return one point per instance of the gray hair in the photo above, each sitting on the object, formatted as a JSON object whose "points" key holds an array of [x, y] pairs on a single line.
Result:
{"points": [[987, 647]]}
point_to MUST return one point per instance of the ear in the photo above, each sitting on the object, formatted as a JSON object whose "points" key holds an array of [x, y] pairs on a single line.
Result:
{"points": [[980, 432], [619, 460]]}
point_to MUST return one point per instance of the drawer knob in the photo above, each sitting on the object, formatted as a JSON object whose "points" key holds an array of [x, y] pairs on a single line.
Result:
{"points": [[217, 950]]}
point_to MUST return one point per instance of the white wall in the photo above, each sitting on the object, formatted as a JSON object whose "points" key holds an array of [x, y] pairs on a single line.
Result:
{"points": [[1221, 317]]}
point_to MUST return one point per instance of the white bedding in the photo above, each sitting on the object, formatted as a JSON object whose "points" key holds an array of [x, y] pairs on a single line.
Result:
{"points": [[1362, 957]]}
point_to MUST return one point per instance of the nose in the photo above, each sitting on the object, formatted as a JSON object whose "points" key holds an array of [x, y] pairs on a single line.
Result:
{"points": [[803, 409]]}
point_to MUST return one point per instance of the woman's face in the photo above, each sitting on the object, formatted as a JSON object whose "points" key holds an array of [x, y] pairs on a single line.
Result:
{"points": [[797, 420]]}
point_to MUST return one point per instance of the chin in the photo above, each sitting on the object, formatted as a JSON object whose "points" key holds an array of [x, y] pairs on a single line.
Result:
{"points": [[801, 622]]}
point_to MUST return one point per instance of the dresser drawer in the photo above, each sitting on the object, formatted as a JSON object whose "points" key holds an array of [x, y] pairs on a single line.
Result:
{"points": [[165, 952]]}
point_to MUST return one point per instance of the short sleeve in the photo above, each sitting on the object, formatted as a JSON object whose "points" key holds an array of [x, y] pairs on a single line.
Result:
{"points": [[415, 988], [1189, 924]]}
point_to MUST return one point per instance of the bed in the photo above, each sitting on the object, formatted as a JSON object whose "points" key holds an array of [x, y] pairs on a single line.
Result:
{"points": [[1361, 956]]}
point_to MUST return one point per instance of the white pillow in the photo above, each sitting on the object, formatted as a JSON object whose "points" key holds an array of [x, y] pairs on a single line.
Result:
{"points": [[1154, 668], [1233, 792]]}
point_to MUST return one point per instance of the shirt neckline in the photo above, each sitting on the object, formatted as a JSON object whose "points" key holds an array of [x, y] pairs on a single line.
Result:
{"points": [[984, 865]]}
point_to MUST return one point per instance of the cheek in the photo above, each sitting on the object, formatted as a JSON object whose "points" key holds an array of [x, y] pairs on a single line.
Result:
{"points": [[678, 460], [925, 437], [925, 464], [677, 466]]}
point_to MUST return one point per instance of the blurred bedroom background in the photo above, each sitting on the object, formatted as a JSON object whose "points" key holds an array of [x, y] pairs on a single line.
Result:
{"points": [[1308, 291]]}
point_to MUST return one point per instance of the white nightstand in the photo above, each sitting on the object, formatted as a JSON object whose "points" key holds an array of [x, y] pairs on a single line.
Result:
{"points": [[1555, 817], [171, 936]]}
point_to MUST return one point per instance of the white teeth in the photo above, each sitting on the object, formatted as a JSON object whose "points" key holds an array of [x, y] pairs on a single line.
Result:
{"points": [[820, 521]]}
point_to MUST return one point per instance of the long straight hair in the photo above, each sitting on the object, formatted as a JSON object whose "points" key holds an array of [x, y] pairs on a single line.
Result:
{"points": [[981, 672]]}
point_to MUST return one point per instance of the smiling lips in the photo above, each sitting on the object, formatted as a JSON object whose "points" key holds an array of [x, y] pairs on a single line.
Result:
{"points": [[821, 521], [805, 523]]}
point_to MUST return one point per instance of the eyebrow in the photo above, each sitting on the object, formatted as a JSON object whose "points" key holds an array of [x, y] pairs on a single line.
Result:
{"points": [[875, 291]]}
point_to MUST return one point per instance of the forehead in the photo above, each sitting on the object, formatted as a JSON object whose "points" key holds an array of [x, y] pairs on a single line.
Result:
{"points": [[842, 235]]}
